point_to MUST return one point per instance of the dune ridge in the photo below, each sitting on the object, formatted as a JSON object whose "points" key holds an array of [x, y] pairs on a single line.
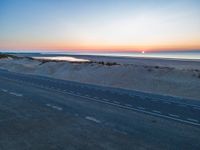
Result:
{"points": [[167, 77]]}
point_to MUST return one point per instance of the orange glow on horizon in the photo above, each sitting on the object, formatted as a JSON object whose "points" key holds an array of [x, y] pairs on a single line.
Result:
{"points": [[99, 48]]}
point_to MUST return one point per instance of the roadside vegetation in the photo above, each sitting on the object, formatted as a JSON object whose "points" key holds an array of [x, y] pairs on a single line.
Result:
{"points": [[107, 63], [2, 55], [43, 61]]}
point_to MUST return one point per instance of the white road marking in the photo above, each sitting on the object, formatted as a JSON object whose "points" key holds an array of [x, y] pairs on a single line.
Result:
{"points": [[116, 102], [193, 120], [49, 105], [197, 108], [16, 94], [142, 108], [92, 119], [4, 90], [139, 110], [54, 107], [156, 111], [105, 99], [173, 115], [12, 93]]}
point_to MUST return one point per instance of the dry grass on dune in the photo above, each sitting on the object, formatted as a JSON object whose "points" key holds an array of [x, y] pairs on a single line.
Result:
{"points": [[169, 78]]}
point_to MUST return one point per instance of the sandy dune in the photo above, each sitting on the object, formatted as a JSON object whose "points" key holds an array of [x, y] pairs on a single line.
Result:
{"points": [[168, 77]]}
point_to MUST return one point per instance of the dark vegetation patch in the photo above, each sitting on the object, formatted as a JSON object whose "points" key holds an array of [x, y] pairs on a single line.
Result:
{"points": [[153, 68], [195, 73], [149, 69], [106, 63], [7, 56], [43, 61], [195, 70]]}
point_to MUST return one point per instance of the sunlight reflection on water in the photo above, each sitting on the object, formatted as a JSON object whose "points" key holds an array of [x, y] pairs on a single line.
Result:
{"points": [[63, 58]]}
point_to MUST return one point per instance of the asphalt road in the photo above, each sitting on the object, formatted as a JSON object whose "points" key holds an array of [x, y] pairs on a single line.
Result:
{"points": [[71, 115]]}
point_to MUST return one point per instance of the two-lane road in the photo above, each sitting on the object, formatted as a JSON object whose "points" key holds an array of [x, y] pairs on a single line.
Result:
{"points": [[43, 113], [161, 107]]}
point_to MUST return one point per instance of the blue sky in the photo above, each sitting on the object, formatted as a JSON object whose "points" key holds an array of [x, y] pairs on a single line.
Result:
{"points": [[99, 24]]}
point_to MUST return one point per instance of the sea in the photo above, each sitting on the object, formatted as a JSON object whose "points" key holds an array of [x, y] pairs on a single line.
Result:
{"points": [[180, 55], [177, 55]]}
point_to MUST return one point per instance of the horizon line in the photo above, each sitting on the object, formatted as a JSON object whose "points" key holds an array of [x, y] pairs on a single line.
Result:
{"points": [[97, 51]]}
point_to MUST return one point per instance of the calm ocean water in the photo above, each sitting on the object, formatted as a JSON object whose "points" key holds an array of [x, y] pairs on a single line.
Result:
{"points": [[191, 55]]}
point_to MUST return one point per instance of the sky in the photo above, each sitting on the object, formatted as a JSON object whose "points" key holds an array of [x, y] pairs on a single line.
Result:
{"points": [[99, 25]]}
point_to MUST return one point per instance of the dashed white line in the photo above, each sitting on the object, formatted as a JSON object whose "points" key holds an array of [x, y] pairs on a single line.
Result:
{"points": [[196, 108], [48, 105], [12, 93], [16, 94], [54, 107], [4, 90], [92, 119]]}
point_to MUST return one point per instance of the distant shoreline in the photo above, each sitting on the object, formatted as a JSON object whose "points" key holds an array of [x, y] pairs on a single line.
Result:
{"points": [[181, 55]]}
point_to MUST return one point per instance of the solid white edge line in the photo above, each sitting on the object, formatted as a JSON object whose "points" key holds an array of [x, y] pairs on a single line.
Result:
{"points": [[173, 115], [156, 111], [193, 120]]}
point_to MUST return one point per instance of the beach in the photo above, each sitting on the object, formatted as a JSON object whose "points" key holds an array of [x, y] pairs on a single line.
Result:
{"points": [[178, 78]]}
